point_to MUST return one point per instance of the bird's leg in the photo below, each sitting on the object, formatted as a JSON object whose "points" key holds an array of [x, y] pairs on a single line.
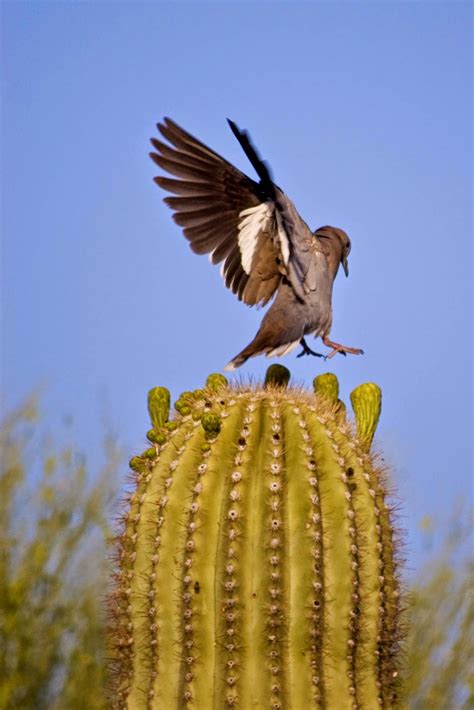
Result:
{"points": [[343, 349], [307, 350]]}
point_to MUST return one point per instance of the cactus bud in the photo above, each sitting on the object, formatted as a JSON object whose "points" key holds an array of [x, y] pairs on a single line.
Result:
{"points": [[136, 463], [171, 426], [366, 402], [327, 386], [156, 437], [216, 381], [158, 406], [182, 407], [277, 376], [211, 423]]}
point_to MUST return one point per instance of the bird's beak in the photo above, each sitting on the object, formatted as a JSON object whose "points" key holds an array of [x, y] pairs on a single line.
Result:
{"points": [[345, 265]]}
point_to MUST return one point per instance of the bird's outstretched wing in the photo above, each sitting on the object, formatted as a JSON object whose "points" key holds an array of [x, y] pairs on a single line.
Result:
{"points": [[252, 227]]}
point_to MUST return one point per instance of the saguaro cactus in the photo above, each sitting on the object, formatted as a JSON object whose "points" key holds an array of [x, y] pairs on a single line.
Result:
{"points": [[256, 564]]}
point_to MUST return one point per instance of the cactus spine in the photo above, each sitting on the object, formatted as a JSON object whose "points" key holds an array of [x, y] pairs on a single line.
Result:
{"points": [[256, 558]]}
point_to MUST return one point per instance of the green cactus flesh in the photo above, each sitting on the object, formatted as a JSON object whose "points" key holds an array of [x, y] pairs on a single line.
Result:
{"points": [[256, 558]]}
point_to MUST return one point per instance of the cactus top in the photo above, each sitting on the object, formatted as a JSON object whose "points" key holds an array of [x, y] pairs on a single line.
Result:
{"points": [[256, 561]]}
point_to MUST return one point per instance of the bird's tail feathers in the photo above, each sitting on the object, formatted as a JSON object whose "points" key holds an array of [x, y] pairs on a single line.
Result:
{"points": [[239, 359], [252, 350], [283, 349]]}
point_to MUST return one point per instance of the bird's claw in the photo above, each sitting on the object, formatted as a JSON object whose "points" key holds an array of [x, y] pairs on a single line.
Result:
{"points": [[345, 352], [307, 351], [310, 352]]}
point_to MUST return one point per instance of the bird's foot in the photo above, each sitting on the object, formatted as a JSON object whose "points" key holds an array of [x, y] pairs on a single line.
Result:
{"points": [[307, 350], [343, 349]]}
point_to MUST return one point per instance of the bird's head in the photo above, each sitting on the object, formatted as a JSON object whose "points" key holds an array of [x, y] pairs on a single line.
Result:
{"points": [[339, 245]]}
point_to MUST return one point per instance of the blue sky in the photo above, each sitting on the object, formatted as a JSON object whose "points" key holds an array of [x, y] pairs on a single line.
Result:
{"points": [[363, 110]]}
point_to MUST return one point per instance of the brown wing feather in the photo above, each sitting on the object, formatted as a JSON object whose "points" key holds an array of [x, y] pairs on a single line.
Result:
{"points": [[183, 187], [211, 194], [265, 275]]}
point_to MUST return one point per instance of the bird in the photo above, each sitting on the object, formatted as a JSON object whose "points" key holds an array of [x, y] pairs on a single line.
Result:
{"points": [[253, 229]]}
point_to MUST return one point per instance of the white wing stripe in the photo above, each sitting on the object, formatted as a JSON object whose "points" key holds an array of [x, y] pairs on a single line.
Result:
{"points": [[252, 210], [254, 220], [284, 244]]}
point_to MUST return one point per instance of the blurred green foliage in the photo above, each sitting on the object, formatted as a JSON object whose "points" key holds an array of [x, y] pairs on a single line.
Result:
{"points": [[54, 523], [439, 667]]}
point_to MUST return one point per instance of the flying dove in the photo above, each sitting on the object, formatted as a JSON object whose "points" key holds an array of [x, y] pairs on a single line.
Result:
{"points": [[264, 245]]}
